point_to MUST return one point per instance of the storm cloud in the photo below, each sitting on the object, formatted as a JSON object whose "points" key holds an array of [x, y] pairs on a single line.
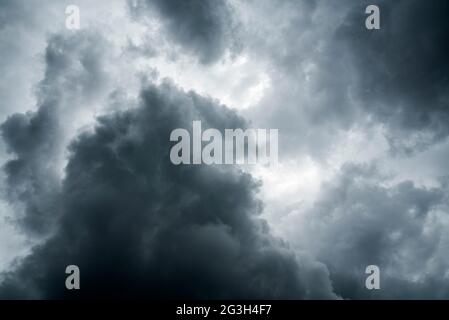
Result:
{"points": [[361, 220], [138, 226], [36, 139], [206, 29], [363, 141], [403, 68], [337, 75]]}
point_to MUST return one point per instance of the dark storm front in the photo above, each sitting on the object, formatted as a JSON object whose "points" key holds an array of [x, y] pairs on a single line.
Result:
{"points": [[261, 145], [140, 159]]}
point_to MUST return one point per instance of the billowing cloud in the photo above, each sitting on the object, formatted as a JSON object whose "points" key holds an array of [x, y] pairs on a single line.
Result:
{"points": [[402, 68], [206, 29], [361, 219], [333, 74], [139, 226], [36, 139], [362, 116]]}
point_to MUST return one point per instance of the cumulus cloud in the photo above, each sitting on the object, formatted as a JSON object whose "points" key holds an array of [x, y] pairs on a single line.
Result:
{"points": [[336, 78], [333, 74], [138, 226], [36, 139], [310, 97], [402, 68], [206, 29], [108, 199], [362, 219]]}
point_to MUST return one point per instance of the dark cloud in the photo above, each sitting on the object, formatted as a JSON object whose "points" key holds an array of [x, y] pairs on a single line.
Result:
{"points": [[206, 29], [333, 74], [359, 220], [403, 68], [31, 178], [35, 139], [139, 226], [330, 75]]}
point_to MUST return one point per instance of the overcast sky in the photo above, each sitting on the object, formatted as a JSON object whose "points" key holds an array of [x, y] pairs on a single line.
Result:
{"points": [[362, 179]]}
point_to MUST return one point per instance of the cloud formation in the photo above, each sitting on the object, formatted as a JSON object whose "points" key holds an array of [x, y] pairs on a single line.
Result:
{"points": [[362, 117], [360, 220], [36, 139], [334, 74], [138, 226], [206, 29], [402, 68]]}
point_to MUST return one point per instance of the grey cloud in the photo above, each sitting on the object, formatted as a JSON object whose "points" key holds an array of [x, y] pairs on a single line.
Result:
{"points": [[307, 71], [206, 29], [358, 221], [138, 226], [333, 74], [18, 33], [330, 75], [36, 139], [402, 68]]}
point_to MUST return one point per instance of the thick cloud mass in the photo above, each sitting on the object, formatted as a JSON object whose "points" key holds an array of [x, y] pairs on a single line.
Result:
{"points": [[203, 28], [336, 76], [73, 74], [363, 140], [332, 73], [359, 220], [138, 226], [403, 67]]}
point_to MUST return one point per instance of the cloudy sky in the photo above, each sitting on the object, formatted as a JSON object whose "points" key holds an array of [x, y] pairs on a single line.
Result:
{"points": [[362, 179]]}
